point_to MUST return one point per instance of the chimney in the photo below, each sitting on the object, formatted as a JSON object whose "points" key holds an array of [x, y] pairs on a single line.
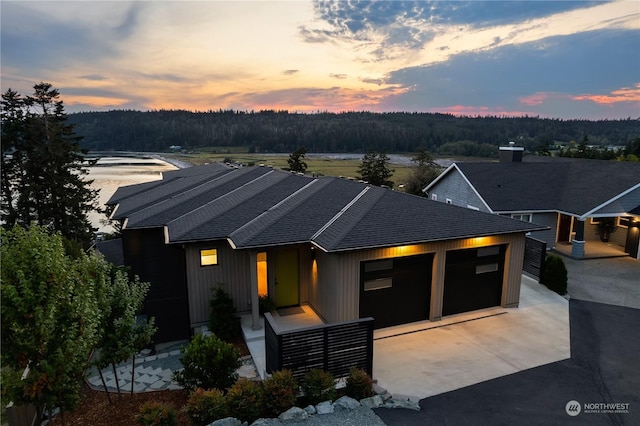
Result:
{"points": [[511, 153]]}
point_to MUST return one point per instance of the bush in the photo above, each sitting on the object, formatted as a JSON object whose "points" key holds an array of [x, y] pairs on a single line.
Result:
{"points": [[554, 275], [281, 392], [245, 400], [157, 414], [223, 321], [359, 384], [205, 406], [318, 386], [208, 363], [266, 304]]}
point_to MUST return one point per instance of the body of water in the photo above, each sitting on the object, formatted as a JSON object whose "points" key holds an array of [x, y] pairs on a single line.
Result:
{"points": [[109, 173]]}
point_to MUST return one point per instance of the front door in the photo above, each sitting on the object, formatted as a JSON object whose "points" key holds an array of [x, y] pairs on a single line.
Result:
{"points": [[286, 278], [564, 228]]}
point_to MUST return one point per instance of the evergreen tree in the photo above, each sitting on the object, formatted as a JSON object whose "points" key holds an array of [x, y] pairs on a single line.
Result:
{"points": [[44, 181], [296, 161], [423, 173], [375, 169]]}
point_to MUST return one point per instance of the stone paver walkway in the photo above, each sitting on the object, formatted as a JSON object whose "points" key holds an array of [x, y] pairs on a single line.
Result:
{"points": [[152, 372]]}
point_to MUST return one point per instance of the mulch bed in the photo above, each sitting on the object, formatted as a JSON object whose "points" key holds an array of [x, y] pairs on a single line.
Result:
{"points": [[95, 410]]}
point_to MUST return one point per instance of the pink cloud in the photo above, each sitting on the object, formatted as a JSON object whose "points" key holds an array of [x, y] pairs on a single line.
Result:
{"points": [[625, 94]]}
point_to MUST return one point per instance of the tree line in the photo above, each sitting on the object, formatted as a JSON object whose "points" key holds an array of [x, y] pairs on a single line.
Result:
{"points": [[282, 131]]}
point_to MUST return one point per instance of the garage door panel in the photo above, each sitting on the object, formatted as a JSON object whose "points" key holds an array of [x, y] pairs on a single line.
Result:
{"points": [[397, 295], [473, 279]]}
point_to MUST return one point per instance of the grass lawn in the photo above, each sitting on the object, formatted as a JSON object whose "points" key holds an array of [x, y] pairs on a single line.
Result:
{"points": [[316, 165]]}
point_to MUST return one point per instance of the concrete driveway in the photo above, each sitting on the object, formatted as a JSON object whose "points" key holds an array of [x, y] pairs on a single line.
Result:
{"points": [[603, 369], [425, 359]]}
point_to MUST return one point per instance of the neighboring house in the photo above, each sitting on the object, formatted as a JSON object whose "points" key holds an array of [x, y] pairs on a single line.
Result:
{"points": [[570, 196], [348, 249]]}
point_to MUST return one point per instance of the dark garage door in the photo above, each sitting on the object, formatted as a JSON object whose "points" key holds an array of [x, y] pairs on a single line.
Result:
{"points": [[396, 291], [473, 279]]}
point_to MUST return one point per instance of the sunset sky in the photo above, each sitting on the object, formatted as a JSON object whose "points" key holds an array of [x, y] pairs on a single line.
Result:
{"points": [[561, 59]]}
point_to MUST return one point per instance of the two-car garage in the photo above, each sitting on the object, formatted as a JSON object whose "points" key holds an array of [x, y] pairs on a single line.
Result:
{"points": [[397, 290]]}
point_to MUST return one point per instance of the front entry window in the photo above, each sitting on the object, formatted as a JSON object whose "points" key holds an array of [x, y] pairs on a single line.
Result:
{"points": [[262, 273]]}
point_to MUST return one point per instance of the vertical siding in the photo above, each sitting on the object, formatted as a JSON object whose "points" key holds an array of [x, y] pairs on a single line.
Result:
{"points": [[591, 233], [232, 272], [454, 186], [336, 295], [546, 219]]}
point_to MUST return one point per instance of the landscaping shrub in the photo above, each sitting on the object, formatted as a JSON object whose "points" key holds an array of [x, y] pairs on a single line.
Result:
{"points": [[157, 414], [318, 386], [245, 400], [266, 304], [205, 406], [280, 392], [223, 321], [554, 275], [359, 384], [208, 363]]}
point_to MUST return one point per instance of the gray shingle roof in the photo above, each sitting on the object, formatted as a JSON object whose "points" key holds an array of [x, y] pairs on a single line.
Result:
{"points": [[258, 207], [568, 186]]}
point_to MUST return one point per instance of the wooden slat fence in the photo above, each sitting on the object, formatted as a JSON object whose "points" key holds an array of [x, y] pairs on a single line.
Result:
{"points": [[535, 252], [335, 348]]}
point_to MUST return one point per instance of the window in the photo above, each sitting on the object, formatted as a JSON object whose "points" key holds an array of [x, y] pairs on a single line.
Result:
{"points": [[208, 257], [625, 221], [449, 201], [434, 197], [261, 260], [378, 284], [378, 265], [522, 217], [483, 269], [488, 251]]}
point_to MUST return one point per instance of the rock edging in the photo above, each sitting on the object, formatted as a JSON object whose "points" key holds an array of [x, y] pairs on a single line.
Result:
{"points": [[327, 407]]}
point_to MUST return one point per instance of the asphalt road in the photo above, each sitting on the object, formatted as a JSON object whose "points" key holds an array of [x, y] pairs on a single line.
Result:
{"points": [[604, 368]]}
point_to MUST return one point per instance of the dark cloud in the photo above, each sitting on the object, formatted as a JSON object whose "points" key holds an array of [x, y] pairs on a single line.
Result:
{"points": [[338, 76], [582, 63], [51, 44], [290, 72], [93, 77], [410, 24]]}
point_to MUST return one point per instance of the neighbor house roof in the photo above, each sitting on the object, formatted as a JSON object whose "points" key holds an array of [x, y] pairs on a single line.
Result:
{"points": [[260, 207], [575, 187]]}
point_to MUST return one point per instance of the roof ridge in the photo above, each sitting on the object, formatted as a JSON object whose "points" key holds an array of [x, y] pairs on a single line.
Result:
{"points": [[340, 213], [358, 207], [145, 214], [250, 229], [276, 177]]}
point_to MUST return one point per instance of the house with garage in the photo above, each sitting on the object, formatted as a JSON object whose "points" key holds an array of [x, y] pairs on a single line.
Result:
{"points": [[579, 201], [345, 249]]}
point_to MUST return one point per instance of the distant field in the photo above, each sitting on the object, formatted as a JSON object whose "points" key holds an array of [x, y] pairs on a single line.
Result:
{"points": [[318, 166]]}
